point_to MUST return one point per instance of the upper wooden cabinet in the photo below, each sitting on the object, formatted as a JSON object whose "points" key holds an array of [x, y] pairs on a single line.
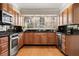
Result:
{"points": [[75, 13], [65, 20], [4, 6], [61, 19], [10, 9], [17, 17], [14, 17], [70, 15]]}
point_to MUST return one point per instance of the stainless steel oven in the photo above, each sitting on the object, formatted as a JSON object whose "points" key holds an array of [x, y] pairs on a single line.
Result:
{"points": [[13, 44]]}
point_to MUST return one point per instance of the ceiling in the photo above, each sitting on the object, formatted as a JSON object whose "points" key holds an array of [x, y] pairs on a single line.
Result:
{"points": [[40, 8]]}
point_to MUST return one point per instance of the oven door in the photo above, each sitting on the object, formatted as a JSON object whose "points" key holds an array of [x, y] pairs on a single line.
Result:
{"points": [[13, 46]]}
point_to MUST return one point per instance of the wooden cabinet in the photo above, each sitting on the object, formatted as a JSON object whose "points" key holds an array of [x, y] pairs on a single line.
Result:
{"points": [[4, 46], [76, 13], [72, 48], [51, 38], [20, 40], [14, 17], [70, 15], [10, 9], [61, 19], [39, 38], [17, 20], [70, 45], [65, 16], [4, 6], [28, 38], [31, 37], [43, 38], [26, 41]]}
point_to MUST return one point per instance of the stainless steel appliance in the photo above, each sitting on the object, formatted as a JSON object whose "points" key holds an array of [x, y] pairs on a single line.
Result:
{"points": [[59, 37], [13, 44], [69, 29], [5, 18]]}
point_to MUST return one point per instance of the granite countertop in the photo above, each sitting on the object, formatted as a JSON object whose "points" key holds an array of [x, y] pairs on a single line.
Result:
{"points": [[39, 31], [3, 34]]}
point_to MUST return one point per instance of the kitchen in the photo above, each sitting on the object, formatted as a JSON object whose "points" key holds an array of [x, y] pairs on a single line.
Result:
{"points": [[39, 29]]}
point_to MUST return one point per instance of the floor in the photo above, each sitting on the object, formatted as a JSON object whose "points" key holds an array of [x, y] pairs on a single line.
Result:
{"points": [[39, 51]]}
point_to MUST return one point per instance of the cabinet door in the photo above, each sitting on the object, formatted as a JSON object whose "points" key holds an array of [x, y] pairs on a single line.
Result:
{"points": [[4, 46], [61, 19], [26, 38], [72, 48], [17, 19], [76, 13], [14, 17], [65, 17], [31, 37], [70, 15], [67, 47], [44, 38], [10, 9], [37, 38], [51, 38]]}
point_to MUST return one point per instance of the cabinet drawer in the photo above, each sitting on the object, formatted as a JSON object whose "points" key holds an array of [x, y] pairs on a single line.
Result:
{"points": [[4, 54], [4, 47], [3, 40]]}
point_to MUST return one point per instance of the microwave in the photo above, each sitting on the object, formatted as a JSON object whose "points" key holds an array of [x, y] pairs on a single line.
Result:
{"points": [[69, 29], [5, 18]]}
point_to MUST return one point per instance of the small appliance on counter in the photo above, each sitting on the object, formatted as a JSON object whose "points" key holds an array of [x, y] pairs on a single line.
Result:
{"points": [[5, 18], [72, 29]]}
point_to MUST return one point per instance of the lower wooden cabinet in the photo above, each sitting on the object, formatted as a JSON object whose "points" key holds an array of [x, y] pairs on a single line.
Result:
{"points": [[39, 38], [72, 42], [36, 39], [4, 46], [51, 38], [70, 45], [44, 38], [20, 40]]}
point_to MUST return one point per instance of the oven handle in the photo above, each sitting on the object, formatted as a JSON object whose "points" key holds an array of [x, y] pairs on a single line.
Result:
{"points": [[14, 38]]}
